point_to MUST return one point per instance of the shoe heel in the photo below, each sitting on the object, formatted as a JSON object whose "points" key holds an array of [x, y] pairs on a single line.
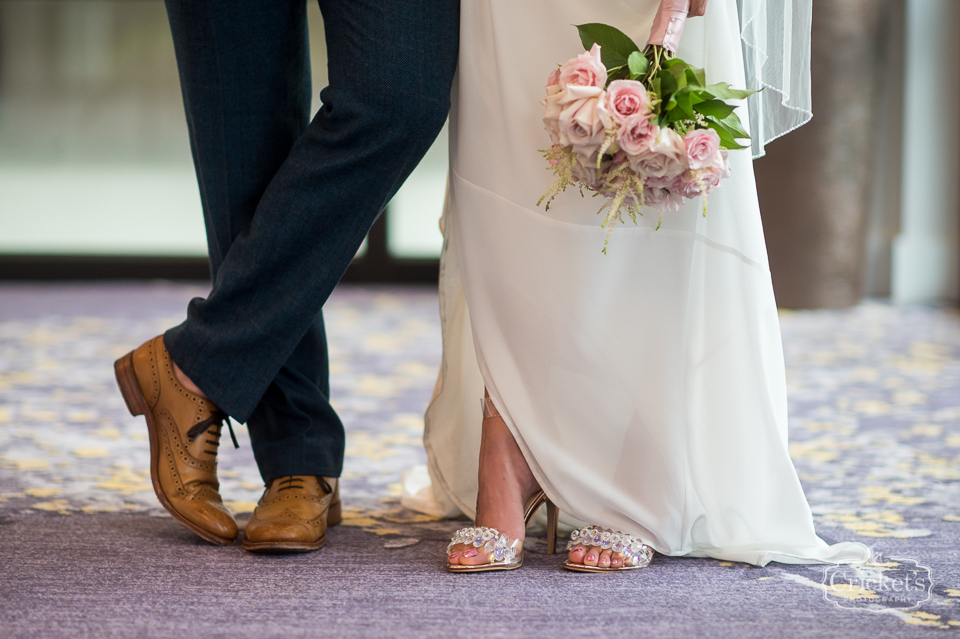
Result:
{"points": [[129, 388], [334, 515], [553, 520]]}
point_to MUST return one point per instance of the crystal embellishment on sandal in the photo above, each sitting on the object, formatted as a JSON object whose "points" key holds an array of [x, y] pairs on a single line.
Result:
{"points": [[636, 554], [501, 550]]}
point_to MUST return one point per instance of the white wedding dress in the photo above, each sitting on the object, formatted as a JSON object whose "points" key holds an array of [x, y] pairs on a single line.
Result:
{"points": [[645, 387]]}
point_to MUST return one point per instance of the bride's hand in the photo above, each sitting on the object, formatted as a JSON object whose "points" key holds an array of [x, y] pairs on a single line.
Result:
{"points": [[697, 8], [671, 17]]}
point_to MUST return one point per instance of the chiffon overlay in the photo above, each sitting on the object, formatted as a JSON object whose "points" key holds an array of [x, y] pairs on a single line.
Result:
{"points": [[645, 387]]}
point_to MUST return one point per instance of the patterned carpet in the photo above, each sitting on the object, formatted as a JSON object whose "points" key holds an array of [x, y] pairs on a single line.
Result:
{"points": [[875, 432]]}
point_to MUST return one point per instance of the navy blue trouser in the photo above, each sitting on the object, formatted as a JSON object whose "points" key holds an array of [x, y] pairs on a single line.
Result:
{"points": [[287, 201]]}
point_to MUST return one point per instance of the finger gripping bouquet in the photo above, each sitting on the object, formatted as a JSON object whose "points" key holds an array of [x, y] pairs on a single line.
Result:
{"points": [[640, 129]]}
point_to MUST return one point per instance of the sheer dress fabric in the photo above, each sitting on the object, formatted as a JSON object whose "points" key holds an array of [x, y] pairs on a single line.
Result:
{"points": [[645, 387]]}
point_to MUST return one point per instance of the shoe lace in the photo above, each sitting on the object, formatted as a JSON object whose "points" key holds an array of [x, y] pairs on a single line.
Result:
{"points": [[217, 419], [290, 482]]}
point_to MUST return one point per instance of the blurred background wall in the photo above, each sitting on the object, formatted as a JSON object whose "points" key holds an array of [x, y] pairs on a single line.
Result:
{"points": [[863, 201], [96, 178], [95, 165]]}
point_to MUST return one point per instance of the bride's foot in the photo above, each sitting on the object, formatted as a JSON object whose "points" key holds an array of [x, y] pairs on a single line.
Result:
{"points": [[506, 485], [594, 547]]}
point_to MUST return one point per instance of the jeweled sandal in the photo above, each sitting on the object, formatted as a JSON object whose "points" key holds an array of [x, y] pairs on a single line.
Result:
{"points": [[636, 554], [505, 554]]}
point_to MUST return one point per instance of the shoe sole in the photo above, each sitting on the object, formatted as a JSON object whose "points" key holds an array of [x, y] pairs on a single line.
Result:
{"points": [[581, 568], [484, 568], [137, 405], [283, 547]]}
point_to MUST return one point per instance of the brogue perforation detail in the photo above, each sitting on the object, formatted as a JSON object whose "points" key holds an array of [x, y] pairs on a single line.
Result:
{"points": [[154, 375], [175, 444]]}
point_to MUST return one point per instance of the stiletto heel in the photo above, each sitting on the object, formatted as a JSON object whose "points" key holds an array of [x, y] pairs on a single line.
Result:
{"points": [[553, 520]]}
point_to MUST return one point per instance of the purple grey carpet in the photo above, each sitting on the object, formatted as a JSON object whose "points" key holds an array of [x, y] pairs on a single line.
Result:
{"points": [[86, 551]]}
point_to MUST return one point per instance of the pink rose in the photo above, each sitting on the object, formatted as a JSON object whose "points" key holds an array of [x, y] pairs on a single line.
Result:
{"points": [[636, 133], [672, 201], [582, 121], [727, 169], [627, 98], [554, 107], [662, 199], [553, 79], [586, 70], [695, 182], [589, 174], [671, 183], [702, 145], [666, 156]]}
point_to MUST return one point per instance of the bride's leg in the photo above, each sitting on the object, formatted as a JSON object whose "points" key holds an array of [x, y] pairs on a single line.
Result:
{"points": [[505, 484]]}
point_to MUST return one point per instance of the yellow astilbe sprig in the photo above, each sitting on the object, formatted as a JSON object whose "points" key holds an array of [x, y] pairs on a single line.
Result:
{"points": [[608, 140], [622, 186], [703, 189], [563, 162]]}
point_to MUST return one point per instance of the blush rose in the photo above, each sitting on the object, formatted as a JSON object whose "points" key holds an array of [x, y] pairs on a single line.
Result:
{"points": [[627, 99], [586, 70], [583, 121], [665, 157], [551, 117], [695, 182], [702, 145], [636, 133]]}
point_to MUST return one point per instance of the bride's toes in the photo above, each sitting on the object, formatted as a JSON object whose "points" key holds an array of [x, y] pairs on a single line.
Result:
{"points": [[471, 556], [616, 560], [453, 557], [604, 560], [592, 556], [576, 554]]}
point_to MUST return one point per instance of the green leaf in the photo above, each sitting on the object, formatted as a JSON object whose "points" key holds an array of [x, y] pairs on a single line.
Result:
{"points": [[615, 45], [674, 62], [676, 115], [685, 104], [695, 77], [715, 108], [680, 74], [728, 139], [668, 84], [655, 84], [733, 123], [618, 73], [638, 65], [723, 91]]}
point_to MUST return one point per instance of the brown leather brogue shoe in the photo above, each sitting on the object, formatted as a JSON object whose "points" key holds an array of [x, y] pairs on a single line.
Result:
{"points": [[184, 436], [293, 515]]}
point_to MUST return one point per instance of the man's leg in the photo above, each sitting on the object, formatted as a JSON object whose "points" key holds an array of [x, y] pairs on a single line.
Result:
{"points": [[391, 68], [245, 76]]}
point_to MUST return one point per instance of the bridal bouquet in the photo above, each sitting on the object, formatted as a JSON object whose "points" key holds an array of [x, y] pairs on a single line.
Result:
{"points": [[641, 129]]}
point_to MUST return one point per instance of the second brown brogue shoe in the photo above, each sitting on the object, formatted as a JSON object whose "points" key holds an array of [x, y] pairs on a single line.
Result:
{"points": [[293, 515], [184, 436]]}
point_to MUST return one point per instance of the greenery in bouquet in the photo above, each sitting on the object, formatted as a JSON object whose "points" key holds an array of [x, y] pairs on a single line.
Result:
{"points": [[641, 129]]}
